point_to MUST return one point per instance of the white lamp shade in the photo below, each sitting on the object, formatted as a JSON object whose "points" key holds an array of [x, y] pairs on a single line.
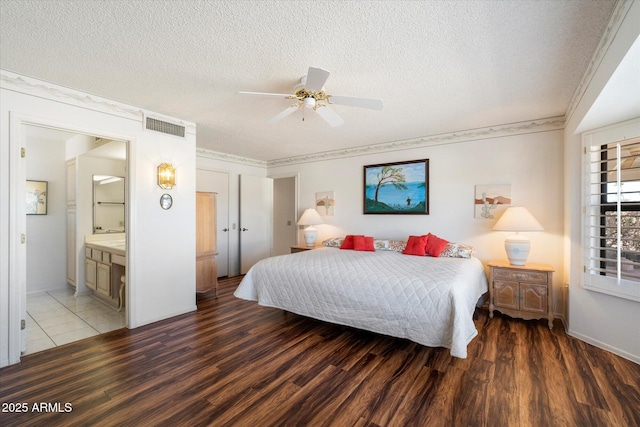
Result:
{"points": [[310, 217], [517, 218]]}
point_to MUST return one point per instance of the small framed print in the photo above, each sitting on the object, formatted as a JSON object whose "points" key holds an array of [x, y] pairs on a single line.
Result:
{"points": [[37, 197]]}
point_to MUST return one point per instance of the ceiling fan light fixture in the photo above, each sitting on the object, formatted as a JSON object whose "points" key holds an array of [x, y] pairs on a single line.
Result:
{"points": [[309, 93]]}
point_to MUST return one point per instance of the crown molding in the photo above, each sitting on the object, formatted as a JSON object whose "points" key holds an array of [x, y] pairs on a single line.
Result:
{"points": [[533, 126], [46, 90], [617, 16], [216, 155], [41, 89], [23, 84]]}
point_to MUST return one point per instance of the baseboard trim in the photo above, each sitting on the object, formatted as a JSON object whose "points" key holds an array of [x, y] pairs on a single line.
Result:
{"points": [[632, 357]]}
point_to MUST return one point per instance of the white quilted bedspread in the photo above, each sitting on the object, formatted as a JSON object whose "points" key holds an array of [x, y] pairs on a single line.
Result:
{"points": [[427, 300]]}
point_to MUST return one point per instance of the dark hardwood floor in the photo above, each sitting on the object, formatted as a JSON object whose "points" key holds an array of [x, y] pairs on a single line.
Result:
{"points": [[235, 363]]}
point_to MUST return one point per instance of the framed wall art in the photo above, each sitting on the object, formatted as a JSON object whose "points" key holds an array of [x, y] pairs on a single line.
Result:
{"points": [[397, 188], [491, 200], [37, 197], [325, 202]]}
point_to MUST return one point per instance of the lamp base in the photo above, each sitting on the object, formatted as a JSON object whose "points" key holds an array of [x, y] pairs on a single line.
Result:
{"points": [[310, 236], [517, 248]]}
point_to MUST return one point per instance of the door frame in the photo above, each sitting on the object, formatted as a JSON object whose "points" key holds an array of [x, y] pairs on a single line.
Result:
{"points": [[296, 195], [17, 220]]}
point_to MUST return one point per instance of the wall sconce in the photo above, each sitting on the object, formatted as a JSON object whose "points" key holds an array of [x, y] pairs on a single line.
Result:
{"points": [[166, 176]]}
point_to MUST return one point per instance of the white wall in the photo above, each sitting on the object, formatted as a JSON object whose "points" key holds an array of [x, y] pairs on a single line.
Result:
{"points": [[46, 234], [234, 169], [161, 244], [531, 163], [603, 320]]}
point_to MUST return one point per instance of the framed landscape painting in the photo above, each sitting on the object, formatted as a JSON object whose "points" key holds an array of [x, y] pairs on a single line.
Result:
{"points": [[36, 197], [397, 188]]}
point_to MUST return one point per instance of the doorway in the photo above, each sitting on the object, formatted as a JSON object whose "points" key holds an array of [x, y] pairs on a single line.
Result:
{"points": [[208, 180], [285, 229], [57, 312]]}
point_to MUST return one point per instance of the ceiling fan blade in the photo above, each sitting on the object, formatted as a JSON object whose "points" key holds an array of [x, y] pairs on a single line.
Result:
{"points": [[374, 104], [330, 116], [283, 114], [316, 78], [276, 95]]}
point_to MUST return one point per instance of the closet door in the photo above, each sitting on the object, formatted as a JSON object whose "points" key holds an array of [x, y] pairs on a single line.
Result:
{"points": [[206, 249], [256, 213]]}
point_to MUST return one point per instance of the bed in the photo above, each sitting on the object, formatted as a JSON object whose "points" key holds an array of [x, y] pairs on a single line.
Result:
{"points": [[427, 300]]}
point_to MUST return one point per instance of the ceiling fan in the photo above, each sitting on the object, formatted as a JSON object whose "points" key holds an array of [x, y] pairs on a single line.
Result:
{"points": [[309, 93]]}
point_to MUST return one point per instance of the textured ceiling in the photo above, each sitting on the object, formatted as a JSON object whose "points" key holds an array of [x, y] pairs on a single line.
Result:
{"points": [[439, 66]]}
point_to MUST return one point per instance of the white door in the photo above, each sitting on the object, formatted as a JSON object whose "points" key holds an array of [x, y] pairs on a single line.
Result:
{"points": [[256, 211], [218, 182]]}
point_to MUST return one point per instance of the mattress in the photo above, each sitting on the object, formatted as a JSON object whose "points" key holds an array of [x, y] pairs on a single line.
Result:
{"points": [[427, 300]]}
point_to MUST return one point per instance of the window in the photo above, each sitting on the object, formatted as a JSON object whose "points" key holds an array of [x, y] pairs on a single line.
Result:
{"points": [[612, 216]]}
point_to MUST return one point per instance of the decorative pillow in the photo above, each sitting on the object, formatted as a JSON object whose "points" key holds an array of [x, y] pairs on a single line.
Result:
{"points": [[334, 242], [457, 250], [348, 241], [381, 245], [363, 243], [397, 245], [435, 245], [416, 245]]}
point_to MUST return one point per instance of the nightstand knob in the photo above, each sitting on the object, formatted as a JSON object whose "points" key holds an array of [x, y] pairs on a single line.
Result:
{"points": [[519, 275]]}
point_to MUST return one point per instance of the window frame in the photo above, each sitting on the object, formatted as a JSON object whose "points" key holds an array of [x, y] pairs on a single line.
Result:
{"points": [[594, 276]]}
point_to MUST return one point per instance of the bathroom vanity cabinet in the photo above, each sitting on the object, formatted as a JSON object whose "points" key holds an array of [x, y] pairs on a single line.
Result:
{"points": [[105, 262]]}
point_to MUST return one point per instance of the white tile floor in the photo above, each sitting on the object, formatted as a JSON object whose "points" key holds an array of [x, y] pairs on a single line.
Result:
{"points": [[58, 317]]}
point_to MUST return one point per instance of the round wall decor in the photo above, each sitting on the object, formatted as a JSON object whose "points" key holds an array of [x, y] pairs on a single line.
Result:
{"points": [[166, 201]]}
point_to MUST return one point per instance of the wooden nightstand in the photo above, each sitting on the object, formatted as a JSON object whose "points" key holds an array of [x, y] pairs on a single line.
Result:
{"points": [[301, 248], [521, 291]]}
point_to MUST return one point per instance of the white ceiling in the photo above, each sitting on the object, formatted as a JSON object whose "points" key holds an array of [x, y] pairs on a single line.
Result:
{"points": [[439, 66]]}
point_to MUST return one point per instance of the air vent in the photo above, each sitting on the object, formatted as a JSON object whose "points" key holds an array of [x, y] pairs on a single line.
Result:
{"points": [[164, 127]]}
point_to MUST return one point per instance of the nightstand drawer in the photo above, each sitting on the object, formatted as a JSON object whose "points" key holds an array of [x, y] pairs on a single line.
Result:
{"points": [[519, 275]]}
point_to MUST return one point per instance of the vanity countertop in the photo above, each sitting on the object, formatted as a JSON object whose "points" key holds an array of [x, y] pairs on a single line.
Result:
{"points": [[114, 246], [110, 243]]}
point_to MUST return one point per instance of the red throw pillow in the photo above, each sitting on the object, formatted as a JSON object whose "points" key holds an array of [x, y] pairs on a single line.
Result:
{"points": [[363, 243], [348, 241], [435, 245], [416, 246]]}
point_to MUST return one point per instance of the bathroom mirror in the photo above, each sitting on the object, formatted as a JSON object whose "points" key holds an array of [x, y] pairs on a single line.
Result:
{"points": [[108, 204]]}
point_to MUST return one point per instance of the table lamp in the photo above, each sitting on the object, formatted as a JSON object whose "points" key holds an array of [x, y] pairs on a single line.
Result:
{"points": [[310, 217], [517, 218]]}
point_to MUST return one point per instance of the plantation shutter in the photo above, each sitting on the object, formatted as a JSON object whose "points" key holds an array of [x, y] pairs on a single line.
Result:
{"points": [[612, 217]]}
